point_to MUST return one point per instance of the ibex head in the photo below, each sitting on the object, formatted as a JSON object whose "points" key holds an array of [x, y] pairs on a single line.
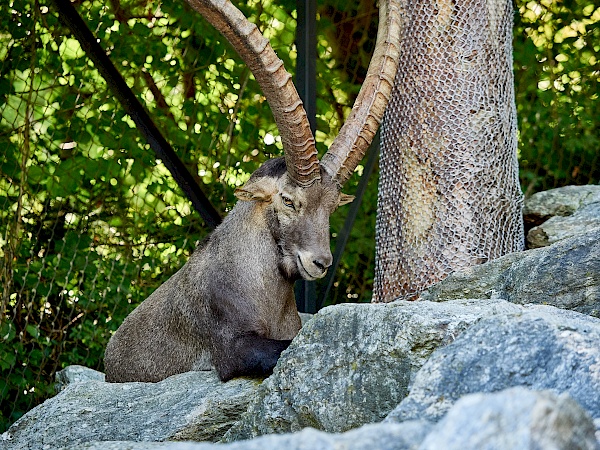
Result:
{"points": [[297, 217], [303, 192]]}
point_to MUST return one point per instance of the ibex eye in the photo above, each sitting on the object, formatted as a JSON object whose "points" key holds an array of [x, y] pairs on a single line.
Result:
{"points": [[287, 202]]}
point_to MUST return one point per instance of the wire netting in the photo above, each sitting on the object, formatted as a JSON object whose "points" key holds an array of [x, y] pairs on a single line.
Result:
{"points": [[557, 73], [91, 222], [449, 194]]}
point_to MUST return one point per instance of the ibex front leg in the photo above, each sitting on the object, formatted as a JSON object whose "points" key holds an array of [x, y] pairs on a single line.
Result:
{"points": [[248, 354], [239, 346]]}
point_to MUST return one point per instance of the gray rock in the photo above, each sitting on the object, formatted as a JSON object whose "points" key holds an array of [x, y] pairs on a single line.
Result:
{"points": [[561, 213], [351, 364], [405, 436], [189, 406], [542, 347], [131, 445], [565, 275], [562, 201], [75, 374], [514, 419], [558, 228], [305, 317]]}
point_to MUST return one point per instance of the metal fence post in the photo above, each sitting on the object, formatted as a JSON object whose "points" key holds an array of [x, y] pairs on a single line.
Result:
{"points": [[306, 83]]}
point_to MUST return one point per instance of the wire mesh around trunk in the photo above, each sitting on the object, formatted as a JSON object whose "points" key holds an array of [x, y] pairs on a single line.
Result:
{"points": [[449, 194]]}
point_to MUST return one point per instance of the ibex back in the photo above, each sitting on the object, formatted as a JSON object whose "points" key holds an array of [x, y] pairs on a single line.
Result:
{"points": [[231, 306]]}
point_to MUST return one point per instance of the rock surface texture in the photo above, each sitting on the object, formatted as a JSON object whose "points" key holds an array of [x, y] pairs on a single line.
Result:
{"points": [[405, 436], [543, 348], [558, 228], [190, 406], [513, 419], [565, 275], [561, 213], [562, 202], [76, 374], [355, 363]]}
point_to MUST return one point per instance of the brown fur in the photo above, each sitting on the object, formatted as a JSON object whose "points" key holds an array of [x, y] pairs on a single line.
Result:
{"points": [[232, 304]]}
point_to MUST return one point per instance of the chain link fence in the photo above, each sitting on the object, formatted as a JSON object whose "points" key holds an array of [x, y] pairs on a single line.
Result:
{"points": [[91, 222]]}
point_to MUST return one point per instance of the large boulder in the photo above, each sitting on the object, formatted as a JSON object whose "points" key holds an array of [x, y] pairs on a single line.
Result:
{"points": [[565, 275], [516, 418], [558, 228], [189, 406], [352, 364], [404, 436], [542, 347]]}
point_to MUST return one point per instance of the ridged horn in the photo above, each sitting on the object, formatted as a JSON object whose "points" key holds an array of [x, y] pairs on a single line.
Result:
{"points": [[358, 132], [276, 83]]}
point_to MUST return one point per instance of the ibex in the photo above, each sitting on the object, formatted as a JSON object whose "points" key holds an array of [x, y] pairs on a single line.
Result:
{"points": [[231, 306]]}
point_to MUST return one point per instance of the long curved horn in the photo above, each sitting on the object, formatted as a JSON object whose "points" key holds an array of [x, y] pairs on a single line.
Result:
{"points": [[276, 83], [358, 132]]}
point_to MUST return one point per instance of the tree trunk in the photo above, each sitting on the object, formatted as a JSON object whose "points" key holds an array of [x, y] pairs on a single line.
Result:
{"points": [[449, 194]]}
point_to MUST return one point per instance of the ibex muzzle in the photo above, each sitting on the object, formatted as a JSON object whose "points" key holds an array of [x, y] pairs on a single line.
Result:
{"points": [[232, 306]]}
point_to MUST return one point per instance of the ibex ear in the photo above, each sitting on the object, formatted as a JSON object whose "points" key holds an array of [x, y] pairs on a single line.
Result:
{"points": [[259, 190], [345, 199]]}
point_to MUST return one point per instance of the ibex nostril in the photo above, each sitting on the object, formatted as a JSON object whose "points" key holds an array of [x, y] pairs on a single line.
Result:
{"points": [[322, 267]]}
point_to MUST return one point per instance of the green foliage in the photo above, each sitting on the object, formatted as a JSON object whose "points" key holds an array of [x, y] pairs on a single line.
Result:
{"points": [[557, 46], [91, 223]]}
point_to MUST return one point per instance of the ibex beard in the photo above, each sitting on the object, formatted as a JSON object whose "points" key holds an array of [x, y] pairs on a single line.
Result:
{"points": [[232, 306]]}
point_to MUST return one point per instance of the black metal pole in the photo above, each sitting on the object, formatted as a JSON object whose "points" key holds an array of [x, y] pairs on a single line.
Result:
{"points": [[344, 235], [306, 83], [163, 150], [306, 66]]}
